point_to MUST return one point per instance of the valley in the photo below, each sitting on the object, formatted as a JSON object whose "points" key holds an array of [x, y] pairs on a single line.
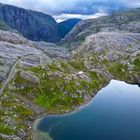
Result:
{"points": [[39, 78]]}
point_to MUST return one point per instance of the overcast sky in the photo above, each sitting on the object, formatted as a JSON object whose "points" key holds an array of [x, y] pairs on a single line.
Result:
{"points": [[64, 9]]}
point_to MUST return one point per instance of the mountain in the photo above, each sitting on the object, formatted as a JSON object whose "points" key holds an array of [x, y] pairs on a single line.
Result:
{"points": [[33, 25], [66, 26], [128, 21], [39, 77]]}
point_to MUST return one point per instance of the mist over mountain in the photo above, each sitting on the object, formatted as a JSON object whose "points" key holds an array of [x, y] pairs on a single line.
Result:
{"points": [[71, 8]]}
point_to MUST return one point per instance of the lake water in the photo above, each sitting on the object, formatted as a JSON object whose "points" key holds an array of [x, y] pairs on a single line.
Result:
{"points": [[113, 114]]}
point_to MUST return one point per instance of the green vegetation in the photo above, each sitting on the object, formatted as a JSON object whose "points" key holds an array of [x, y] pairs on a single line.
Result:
{"points": [[136, 63], [95, 79], [49, 93], [79, 41], [63, 85], [13, 113], [119, 71], [54, 67], [60, 88], [78, 64], [5, 129]]}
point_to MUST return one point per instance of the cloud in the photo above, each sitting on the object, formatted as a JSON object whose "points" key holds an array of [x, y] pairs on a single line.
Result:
{"points": [[63, 17], [63, 9], [73, 6]]}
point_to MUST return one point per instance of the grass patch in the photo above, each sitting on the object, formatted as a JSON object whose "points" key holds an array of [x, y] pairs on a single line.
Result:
{"points": [[136, 63], [5, 129], [119, 71], [78, 64]]}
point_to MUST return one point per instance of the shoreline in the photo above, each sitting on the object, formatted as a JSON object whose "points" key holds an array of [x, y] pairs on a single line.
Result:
{"points": [[36, 121]]}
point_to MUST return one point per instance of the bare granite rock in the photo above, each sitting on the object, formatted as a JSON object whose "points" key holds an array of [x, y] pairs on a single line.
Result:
{"points": [[14, 47], [29, 76], [111, 45]]}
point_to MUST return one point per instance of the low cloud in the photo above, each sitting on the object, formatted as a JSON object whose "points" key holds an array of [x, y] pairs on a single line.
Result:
{"points": [[63, 17], [63, 9]]}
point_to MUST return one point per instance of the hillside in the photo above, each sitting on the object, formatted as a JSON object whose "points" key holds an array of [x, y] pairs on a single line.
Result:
{"points": [[66, 26], [128, 21], [33, 25], [38, 77]]}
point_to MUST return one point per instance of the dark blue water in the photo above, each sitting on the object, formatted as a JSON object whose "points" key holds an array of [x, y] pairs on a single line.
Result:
{"points": [[113, 114]]}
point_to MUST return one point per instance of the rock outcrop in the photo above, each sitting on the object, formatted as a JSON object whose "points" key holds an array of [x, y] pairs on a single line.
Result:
{"points": [[106, 51], [14, 47]]}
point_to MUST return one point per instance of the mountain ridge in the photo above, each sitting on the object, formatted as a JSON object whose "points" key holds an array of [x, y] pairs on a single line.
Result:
{"points": [[35, 25], [118, 21]]}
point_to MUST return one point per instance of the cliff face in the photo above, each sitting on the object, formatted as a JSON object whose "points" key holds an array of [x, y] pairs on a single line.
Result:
{"points": [[33, 25]]}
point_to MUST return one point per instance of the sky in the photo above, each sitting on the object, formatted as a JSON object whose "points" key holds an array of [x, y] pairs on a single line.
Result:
{"points": [[84, 9]]}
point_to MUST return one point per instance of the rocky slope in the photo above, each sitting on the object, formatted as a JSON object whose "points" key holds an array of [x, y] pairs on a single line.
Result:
{"points": [[49, 79], [113, 51], [14, 46], [33, 25], [41, 83], [19, 54], [128, 21]]}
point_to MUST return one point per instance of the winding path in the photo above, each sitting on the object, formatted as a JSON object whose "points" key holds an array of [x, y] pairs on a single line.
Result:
{"points": [[9, 77], [4, 84]]}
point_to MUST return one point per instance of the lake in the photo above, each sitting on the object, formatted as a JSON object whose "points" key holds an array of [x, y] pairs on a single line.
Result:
{"points": [[113, 114]]}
